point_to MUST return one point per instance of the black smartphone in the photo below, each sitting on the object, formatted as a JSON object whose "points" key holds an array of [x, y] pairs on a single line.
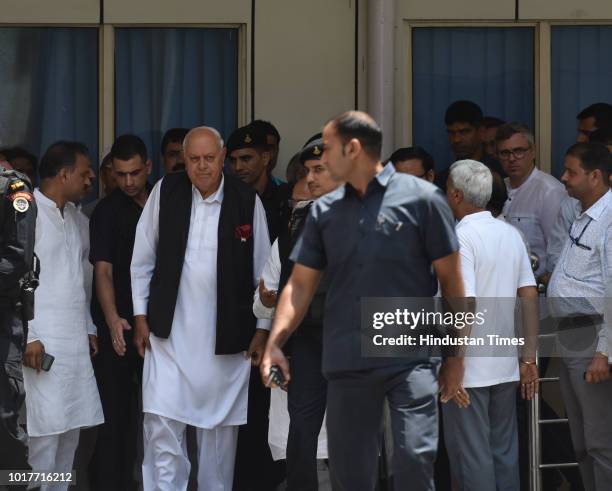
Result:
{"points": [[47, 361], [277, 377]]}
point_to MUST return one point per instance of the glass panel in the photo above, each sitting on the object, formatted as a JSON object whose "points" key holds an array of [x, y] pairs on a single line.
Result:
{"points": [[168, 78], [581, 75], [49, 80], [491, 66]]}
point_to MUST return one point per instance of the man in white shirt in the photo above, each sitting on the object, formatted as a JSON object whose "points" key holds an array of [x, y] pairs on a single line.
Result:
{"points": [[579, 294], [480, 430], [201, 244], [65, 398], [534, 197]]}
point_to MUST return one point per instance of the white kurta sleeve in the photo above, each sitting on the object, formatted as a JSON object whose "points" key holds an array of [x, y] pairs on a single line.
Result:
{"points": [[468, 263], [83, 224], [144, 255], [271, 277], [261, 250]]}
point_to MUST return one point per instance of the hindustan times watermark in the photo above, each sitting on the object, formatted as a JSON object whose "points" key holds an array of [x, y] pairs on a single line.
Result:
{"points": [[482, 327]]}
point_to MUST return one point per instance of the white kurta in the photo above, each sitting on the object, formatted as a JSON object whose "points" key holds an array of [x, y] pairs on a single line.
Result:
{"points": [[67, 396], [183, 379]]}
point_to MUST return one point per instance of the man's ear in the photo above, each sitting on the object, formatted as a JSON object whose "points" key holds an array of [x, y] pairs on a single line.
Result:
{"points": [[353, 147], [267, 156], [64, 173], [148, 167]]}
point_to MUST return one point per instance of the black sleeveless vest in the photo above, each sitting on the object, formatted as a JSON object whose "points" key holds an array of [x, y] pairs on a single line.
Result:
{"points": [[235, 319]]}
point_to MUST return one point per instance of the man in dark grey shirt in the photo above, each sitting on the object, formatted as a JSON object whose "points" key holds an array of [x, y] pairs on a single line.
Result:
{"points": [[376, 236]]}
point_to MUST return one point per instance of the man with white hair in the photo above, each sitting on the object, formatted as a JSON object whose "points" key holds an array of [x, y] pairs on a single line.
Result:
{"points": [[481, 429], [193, 325]]}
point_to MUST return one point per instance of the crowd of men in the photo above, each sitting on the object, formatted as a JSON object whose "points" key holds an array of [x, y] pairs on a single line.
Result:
{"points": [[165, 319]]}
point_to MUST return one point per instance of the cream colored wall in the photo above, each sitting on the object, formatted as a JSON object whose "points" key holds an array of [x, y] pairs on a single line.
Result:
{"points": [[304, 66], [456, 9], [49, 11], [575, 10], [177, 11]]}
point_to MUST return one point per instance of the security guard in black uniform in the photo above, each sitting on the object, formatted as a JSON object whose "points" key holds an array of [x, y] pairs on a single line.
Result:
{"points": [[17, 283]]}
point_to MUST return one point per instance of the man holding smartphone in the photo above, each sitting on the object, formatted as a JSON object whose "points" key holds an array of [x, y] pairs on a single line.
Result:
{"points": [[65, 398]]}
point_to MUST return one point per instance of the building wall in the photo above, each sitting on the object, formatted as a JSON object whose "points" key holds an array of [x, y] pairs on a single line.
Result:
{"points": [[304, 53]]}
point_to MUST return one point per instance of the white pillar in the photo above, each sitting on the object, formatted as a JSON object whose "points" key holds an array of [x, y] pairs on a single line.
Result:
{"points": [[381, 90]]}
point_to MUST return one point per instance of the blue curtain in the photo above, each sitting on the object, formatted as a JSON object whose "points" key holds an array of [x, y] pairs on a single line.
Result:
{"points": [[49, 80], [493, 67], [581, 75], [168, 78]]}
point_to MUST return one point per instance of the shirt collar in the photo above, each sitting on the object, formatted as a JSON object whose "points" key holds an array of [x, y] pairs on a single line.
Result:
{"points": [[475, 217], [598, 208], [382, 178], [41, 199], [216, 196], [531, 177]]}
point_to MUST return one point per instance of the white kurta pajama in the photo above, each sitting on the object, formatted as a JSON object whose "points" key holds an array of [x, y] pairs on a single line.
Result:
{"points": [[65, 398], [184, 382]]}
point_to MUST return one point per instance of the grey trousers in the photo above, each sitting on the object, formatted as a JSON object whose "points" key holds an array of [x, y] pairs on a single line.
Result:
{"points": [[482, 440], [589, 410], [354, 423]]}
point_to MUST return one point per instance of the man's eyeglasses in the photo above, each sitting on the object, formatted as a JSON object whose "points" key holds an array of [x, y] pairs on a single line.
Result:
{"points": [[517, 153], [576, 240]]}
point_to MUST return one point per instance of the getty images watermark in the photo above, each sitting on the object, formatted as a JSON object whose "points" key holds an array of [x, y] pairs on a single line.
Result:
{"points": [[491, 327]]}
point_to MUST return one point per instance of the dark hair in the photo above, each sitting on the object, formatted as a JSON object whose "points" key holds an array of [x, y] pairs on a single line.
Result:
{"points": [[463, 112], [601, 135], [13, 153], [499, 195], [266, 127], [593, 156], [508, 130], [408, 153], [489, 122], [60, 155], [601, 111], [173, 135], [127, 147], [359, 125]]}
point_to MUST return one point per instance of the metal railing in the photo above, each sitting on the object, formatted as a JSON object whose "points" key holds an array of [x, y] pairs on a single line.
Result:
{"points": [[535, 435]]}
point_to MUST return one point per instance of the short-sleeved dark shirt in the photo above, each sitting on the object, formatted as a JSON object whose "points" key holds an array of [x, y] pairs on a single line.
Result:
{"points": [[379, 245], [112, 231]]}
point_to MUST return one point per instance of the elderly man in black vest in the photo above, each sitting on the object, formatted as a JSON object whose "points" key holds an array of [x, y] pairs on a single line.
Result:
{"points": [[201, 244]]}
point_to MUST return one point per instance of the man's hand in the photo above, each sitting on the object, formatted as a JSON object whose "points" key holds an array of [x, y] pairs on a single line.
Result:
{"points": [[257, 347], [451, 378], [141, 334], [116, 329], [598, 370], [529, 380], [462, 398], [267, 297], [93, 344], [32, 357], [274, 356]]}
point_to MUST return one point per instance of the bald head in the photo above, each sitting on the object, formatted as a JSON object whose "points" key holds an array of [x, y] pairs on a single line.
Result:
{"points": [[360, 126], [203, 132], [204, 158]]}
